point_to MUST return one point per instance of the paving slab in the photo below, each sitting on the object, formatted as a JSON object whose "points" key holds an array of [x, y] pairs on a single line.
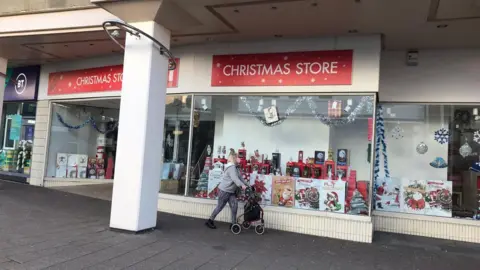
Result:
{"points": [[53, 229]]}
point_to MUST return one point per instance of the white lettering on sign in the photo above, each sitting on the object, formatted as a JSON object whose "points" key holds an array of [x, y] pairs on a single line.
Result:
{"points": [[306, 68]]}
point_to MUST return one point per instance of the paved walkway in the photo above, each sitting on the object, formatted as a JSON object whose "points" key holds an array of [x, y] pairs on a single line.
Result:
{"points": [[49, 229]]}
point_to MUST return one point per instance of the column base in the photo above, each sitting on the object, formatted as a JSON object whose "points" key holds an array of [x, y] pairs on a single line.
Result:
{"points": [[144, 231]]}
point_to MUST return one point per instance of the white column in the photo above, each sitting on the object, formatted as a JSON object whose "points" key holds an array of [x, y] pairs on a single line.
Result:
{"points": [[3, 69], [140, 133]]}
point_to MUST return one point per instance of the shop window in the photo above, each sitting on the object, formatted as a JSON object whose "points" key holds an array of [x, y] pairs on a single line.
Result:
{"points": [[176, 140], [83, 140], [18, 124], [428, 161], [307, 152]]}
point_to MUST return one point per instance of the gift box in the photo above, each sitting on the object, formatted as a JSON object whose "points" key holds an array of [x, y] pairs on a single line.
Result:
{"points": [[62, 159], [82, 172], [61, 171], [72, 171], [101, 163], [71, 160]]}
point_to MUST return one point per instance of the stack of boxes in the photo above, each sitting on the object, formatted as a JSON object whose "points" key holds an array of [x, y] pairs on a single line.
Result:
{"points": [[71, 166]]}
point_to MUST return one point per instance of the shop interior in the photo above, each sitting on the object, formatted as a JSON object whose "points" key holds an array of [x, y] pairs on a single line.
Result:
{"points": [[432, 159], [16, 136]]}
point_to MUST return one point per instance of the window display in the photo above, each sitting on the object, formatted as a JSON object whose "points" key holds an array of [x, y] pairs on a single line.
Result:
{"points": [[176, 134], [306, 152], [427, 160], [18, 125], [83, 140]]}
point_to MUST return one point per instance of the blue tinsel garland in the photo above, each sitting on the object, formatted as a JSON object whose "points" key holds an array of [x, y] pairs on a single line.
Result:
{"points": [[90, 121]]}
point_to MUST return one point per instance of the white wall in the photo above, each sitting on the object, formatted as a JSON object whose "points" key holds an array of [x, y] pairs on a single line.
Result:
{"points": [[441, 76], [196, 63]]}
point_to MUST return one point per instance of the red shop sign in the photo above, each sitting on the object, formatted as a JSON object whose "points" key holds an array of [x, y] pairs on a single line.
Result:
{"points": [[102, 79], [283, 69]]}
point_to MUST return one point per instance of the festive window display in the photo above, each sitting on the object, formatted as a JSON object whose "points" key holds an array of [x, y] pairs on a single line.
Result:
{"points": [[314, 156], [440, 179], [82, 142], [18, 126], [175, 147]]}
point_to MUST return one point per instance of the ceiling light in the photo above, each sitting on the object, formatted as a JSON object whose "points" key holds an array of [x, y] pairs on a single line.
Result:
{"points": [[278, 36], [274, 8], [442, 26], [236, 11], [314, 4], [65, 45], [352, 31], [175, 39], [358, 1], [91, 44]]}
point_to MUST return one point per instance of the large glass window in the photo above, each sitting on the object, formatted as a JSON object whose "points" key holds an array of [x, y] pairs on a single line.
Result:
{"points": [[308, 152], [83, 139], [428, 160], [175, 148], [16, 137]]}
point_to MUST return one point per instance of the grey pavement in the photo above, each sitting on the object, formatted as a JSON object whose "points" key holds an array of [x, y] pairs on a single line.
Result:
{"points": [[50, 229]]}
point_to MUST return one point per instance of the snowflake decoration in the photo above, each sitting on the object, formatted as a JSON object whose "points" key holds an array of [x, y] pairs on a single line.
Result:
{"points": [[476, 136], [397, 132], [441, 135]]}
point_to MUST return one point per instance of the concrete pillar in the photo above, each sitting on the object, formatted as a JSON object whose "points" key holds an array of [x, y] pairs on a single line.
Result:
{"points": [[140, 133]]}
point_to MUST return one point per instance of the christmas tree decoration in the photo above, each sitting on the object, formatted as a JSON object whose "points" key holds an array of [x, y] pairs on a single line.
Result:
{"points": [[202, 185], [358, 206], [442, 135], [397, 132], [465, 150], [438, 163], [476, 136], [422, 148]]}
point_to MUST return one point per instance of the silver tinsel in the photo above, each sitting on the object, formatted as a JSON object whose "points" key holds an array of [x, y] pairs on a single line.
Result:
{"points": [[422, 148], [366, 104]]}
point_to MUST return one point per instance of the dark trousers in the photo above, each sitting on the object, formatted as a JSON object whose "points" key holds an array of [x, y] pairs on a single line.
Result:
{"points": [[223, 198]]}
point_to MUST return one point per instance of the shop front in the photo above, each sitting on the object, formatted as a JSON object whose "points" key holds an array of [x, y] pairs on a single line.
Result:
{"points": [[427, 179], [300, 113], [301, 118], [18, 122]]}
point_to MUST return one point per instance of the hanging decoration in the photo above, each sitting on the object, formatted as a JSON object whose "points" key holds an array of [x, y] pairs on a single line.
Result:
{"points": [[442, 135], [366, 104], [111, 127], [438, 163], [422, 148], [465, 150], [476, 136], [397, 132], [380, 142]]}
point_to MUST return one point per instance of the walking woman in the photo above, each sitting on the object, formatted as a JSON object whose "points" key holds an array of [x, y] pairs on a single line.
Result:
{"points": [[228, 190]]}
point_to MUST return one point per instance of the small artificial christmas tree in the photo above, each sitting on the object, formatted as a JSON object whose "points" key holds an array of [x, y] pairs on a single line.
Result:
{"points": [[202, 185], [357, 204]]}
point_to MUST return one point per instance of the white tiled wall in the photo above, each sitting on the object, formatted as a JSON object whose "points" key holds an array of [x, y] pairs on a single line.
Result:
{"points": [[340, 226], [40, 143], [435, 227]]}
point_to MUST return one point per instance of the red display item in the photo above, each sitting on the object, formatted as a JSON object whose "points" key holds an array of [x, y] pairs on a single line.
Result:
{"points": [[289, 168], [329, 166], [306, 171], [109, 171], [316, 170], [221, 160], [345, 171], [300, 156], [264, 168], [242, 154]]}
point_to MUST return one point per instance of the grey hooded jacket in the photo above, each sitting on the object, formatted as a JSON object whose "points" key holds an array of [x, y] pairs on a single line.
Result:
{"points": [[231, 179]]}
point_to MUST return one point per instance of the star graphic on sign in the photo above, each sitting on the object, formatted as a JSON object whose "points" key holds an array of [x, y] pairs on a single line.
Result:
{"points": [[280, 81], [219, 65], [285, 58], [344, 65], [69, 84], [312, 80], [325, 79], [61, 77], [263, 80]]}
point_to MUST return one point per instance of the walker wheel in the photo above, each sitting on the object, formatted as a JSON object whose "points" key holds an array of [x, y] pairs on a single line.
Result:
{"points": [[260, 229], [246, 225], [236, 229]]}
